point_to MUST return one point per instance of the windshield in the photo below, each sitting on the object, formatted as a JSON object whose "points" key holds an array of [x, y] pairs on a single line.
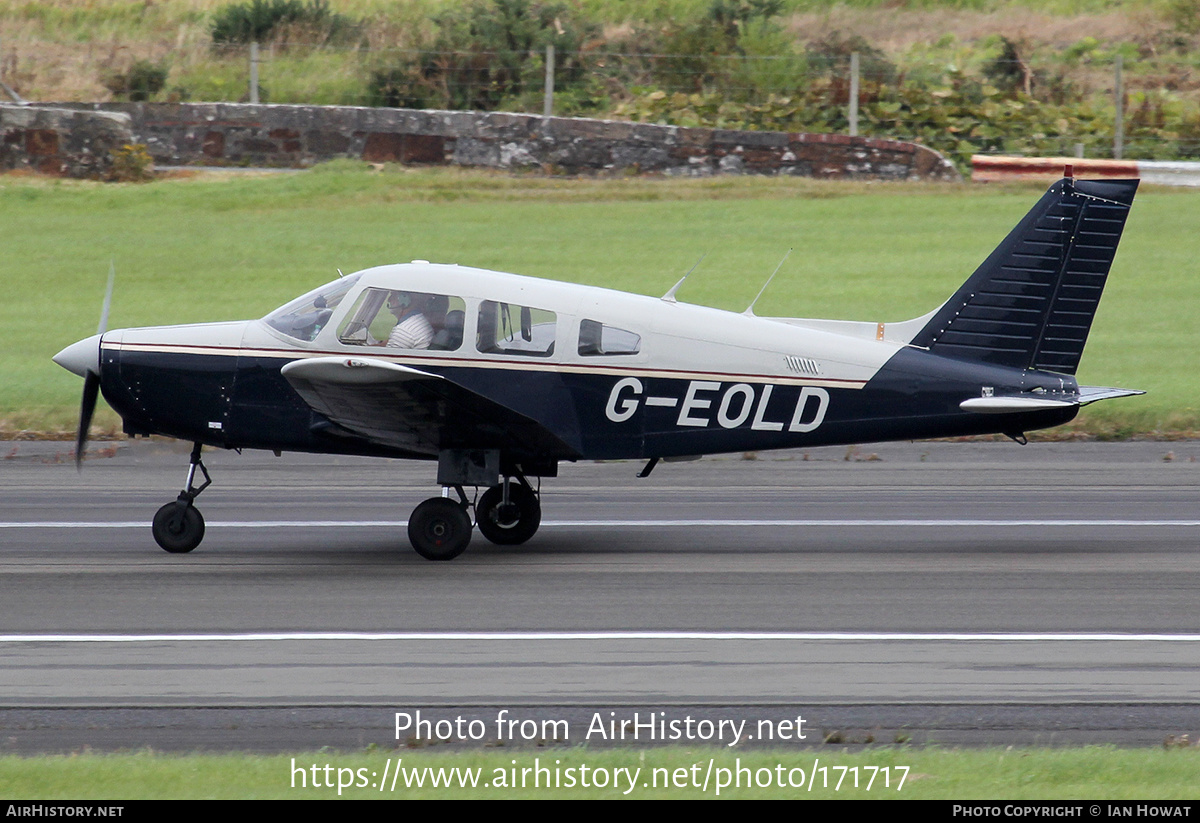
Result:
{"points": [[304, 317]]}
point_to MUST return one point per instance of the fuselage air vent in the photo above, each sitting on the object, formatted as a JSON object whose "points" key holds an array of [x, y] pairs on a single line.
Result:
{"points": [[803, 365]]}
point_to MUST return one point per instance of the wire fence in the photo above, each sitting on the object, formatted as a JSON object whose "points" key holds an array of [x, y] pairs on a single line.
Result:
{"points": [[1095, 105]]}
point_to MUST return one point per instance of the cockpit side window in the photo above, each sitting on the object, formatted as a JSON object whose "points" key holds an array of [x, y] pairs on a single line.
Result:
{"points": [[401, 319], [304, 317], [505, 328], [599, 340]]}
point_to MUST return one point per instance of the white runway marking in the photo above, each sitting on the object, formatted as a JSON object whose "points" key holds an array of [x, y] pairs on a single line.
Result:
{"points": [[342, 524], [930, 637]]}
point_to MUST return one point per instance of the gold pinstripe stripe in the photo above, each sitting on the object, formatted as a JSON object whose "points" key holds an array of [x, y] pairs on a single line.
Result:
{"points": [[529, 365]]}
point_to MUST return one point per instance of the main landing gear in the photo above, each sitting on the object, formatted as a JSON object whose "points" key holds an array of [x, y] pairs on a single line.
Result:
{"points": [[508, 514], [440, 528], [178, 527]]}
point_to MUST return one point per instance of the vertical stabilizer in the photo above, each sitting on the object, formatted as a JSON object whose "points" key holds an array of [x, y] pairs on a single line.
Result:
{"points": [[1031, 304]]}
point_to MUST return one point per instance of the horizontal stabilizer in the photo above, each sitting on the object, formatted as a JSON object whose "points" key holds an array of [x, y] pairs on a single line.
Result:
{"points": [[1011, 405], [1014, 404], [1090, 394]]}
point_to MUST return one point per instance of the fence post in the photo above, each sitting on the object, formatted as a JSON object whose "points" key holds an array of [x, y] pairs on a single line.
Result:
{"points": [[254, 72], [854, 94], [1119, 121], [548, 97]]}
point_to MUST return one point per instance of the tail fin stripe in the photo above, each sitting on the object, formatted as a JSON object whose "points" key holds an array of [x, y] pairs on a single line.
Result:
{"points": [[1029, 280], [989, 328], [999, 313], [978, 346]]}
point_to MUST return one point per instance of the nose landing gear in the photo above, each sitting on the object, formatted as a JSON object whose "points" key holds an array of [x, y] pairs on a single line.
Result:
{"points": [[178, 527]]}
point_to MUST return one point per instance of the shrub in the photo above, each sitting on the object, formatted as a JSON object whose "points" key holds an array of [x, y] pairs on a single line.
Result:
{"points": [[131, 163], [261, 20], [1008, 72], [698, 53], [143, 80], [485, 53], [1184, 15], [398, 87], [830, 57]]}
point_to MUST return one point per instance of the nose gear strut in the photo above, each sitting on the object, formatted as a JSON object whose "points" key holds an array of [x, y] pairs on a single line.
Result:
{"points": [[178, 526]]}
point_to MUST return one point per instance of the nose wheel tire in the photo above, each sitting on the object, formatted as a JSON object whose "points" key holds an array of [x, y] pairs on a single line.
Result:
{"points": [[512, 523], [439, 529], [178, 528]]}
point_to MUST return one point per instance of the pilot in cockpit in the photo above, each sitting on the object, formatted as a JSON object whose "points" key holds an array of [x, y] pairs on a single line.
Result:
{"points": [[413, 329]]}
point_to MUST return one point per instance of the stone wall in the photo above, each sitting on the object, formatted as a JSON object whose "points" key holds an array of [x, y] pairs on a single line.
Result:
{"points": [[61, 141], [297, 136]]}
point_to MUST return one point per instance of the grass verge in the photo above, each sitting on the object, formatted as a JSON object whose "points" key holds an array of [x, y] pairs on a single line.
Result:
{"points": [[1089, 773]]}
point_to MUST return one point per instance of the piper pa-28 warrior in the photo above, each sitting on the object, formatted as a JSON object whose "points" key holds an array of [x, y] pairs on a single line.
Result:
{"points": [[499, 377]]}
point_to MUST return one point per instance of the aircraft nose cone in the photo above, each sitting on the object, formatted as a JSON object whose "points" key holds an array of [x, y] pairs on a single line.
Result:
{"points": [[82, 357]]}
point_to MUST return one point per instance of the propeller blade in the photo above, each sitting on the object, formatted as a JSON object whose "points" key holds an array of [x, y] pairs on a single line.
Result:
{"points": [[112, 275], [91, 380], [91, 390]]}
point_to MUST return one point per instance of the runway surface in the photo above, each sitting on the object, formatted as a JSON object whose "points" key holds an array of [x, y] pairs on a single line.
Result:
{"points": [[955, 592]]}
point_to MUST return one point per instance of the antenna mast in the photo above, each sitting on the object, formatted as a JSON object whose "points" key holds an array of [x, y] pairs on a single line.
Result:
{"points": [[749, 312], [669, 297]]}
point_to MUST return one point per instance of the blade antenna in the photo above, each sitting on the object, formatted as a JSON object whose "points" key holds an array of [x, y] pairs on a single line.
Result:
{"points": [[749, 312], [669, 297]]}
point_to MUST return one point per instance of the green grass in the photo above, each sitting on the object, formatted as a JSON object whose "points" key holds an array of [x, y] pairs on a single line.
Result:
{"points": [[233, 247], [309, 77], [1091, 773]]}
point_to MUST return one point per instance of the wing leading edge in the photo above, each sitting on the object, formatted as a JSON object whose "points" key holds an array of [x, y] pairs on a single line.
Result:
{"points": [[418, 411]]}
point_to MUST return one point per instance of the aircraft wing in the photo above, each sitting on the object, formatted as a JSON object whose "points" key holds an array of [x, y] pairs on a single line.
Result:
{"points": [[415, 410]]}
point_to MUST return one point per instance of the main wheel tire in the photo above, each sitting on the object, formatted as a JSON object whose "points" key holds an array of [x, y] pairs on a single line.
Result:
{"points": [[439, 529], [178, 529], [512, 524]]}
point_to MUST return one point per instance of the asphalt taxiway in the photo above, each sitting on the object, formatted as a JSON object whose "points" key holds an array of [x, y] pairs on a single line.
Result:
{"points": [[978, 592]]}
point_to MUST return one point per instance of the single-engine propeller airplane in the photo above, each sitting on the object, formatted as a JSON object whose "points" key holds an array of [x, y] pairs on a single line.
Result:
{"points": [[500, 377]]}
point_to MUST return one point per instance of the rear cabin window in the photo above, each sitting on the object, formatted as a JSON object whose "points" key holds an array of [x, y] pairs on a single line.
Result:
{"points": [[398, 319], [505, 328], [599, 340]]}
